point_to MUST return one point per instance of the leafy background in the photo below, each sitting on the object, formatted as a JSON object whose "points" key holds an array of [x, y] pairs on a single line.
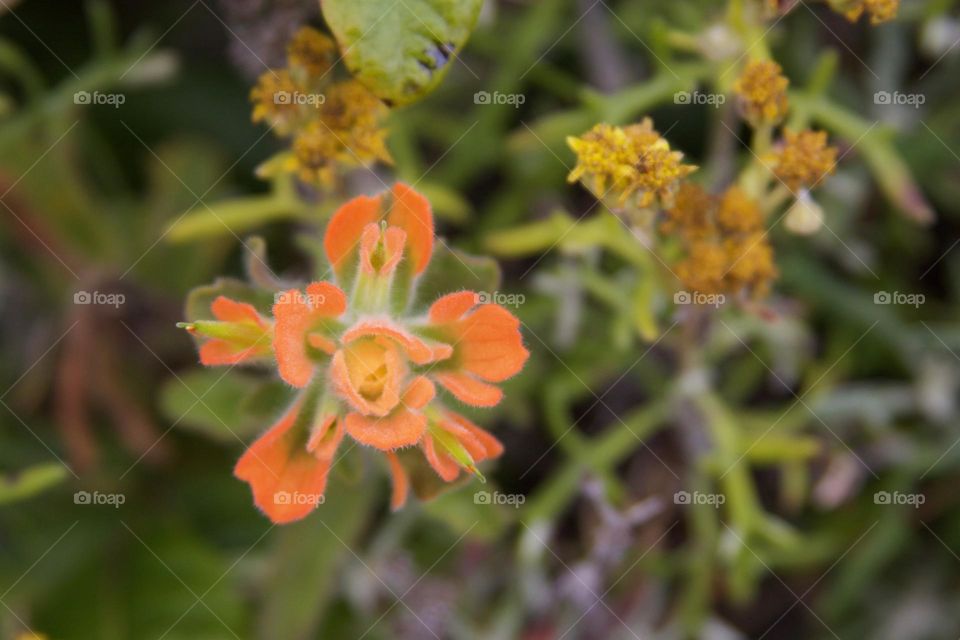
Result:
{"points": [[809, 413]]}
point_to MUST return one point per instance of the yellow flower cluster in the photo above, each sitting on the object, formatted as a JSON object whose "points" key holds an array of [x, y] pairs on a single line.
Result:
{"points": [[762, 89], [880, 11], [334, 124], [803, 159], [347, 132], [312, 52], [632, 161], [726, 248]]}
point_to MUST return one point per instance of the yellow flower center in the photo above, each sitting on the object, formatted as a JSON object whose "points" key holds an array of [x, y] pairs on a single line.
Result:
{"points": [[368, 367]]}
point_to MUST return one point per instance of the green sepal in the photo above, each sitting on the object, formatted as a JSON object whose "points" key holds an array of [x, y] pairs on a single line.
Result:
{"points": [[200, 298], [451, 270], [455, 450]]}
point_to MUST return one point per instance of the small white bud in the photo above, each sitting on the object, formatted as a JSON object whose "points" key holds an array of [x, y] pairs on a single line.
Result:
{"points": [[805, 216]]}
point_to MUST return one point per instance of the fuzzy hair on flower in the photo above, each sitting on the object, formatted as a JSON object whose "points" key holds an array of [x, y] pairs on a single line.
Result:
{"points": [[365, 368]]}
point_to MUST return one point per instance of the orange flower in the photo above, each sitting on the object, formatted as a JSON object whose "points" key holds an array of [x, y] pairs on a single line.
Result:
{"points": [[367, 371], [238, 334]]}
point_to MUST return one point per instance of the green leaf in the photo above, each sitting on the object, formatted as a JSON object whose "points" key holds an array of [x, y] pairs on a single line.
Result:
{"points": [[447, 203], [304, 566], [462, 511], [231, 217], [452, 270], [232, 405], [400, 50], [200, 298], [457, 451], [30, 482]]}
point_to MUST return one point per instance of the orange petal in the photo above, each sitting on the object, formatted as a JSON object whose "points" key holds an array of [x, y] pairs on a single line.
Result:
{"points": [[292, 320], [491, 346], [401, 483], [343, 232], [442, 463], [369, 239], [490, 446], [417, 350], [220, 352], [325, 437], [295, 314], [227, 310], [394, 241], [326, 299], [411, 212], [401, 428], [470, 390], [322, 343], [287, 481], [419, 393], [452, 306]]}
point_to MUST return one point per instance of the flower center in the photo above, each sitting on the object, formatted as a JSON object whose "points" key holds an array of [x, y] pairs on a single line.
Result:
{"points": [[368, 368]]}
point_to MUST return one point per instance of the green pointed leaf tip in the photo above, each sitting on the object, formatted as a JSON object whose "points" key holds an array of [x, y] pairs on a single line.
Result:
{"points": [[30, 482], [456, 450], [400, 50]]}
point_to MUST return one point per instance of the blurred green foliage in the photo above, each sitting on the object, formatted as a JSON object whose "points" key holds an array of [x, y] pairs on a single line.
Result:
{"points": [[799, 415]]}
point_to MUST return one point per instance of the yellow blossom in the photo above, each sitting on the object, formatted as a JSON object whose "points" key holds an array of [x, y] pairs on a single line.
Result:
{"points": [[803, 159], [334, 125], [703, 269], [632, 161], [725, 247], [762, 89], [273, 100], [311, 51], [346, 132], [738, 212], [690, 214], [751, 262], [880, 11]]}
